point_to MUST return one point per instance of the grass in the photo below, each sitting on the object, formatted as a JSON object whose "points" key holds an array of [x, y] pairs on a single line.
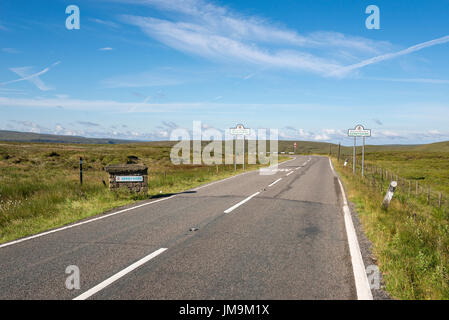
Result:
{"points": [[40, 190], [411, 239]]}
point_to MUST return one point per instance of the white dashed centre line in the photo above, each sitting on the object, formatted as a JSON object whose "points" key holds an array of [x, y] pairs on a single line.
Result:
{"points": [[240, 203], [273, 183], [118, 275], [289, 173]]}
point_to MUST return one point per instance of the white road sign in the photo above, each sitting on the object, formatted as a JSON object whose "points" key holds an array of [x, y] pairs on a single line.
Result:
{"points": [[240, 130], [359, 131]]}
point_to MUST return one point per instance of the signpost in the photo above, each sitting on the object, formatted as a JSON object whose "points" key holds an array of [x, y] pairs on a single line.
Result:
{"points": [[240, 130], [359, 131], [294, 147]]}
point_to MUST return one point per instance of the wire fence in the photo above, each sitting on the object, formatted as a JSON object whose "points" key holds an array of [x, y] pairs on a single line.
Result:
{"points": [[379, 178]]}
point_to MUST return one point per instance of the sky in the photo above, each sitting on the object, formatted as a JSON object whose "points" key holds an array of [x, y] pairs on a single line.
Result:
{"points": [[137, 69]]}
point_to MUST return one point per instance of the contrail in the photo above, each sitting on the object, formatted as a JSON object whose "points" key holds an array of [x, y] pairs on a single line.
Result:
{"points": [[343, 70], [33, 78]]}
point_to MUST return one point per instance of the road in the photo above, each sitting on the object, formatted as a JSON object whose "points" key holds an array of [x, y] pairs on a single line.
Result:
{"points": [[253, 236]]}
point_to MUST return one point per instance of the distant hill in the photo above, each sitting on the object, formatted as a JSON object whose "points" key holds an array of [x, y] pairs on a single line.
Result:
{"points": [[303, 147], [16, 136]]}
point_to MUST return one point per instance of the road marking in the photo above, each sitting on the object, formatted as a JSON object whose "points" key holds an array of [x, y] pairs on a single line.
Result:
{"points": [[240, 203], [240, 174], [289, 173], [81, 223], [118, 275], [222, 180], [273, 183], [361, 280], [114, 213]]}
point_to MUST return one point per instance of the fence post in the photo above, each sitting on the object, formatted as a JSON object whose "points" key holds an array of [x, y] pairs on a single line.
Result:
{"points": [[409, 187], [428, 195], [440, 196], [417, 187], [81, 170]]}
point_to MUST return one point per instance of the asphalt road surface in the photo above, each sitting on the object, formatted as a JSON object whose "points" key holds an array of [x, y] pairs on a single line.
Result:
{"points": [[249, 237]]}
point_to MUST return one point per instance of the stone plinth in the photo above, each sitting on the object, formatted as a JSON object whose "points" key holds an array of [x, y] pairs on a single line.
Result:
{"points": [[131, 176]]}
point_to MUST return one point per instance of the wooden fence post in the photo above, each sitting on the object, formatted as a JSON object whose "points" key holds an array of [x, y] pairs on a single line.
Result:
{"points": [[428, 195], [440, 196]]}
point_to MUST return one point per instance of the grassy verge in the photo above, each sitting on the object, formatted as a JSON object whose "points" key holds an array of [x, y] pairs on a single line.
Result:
{"points": [[410, 240], [39, 183]]}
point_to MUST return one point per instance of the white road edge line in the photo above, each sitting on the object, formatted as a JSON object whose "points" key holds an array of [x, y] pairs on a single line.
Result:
{"points": [[273, 183], [113, 213], [240, 203], [289, 173], [361, 280], [81, 223], [118, 275]]}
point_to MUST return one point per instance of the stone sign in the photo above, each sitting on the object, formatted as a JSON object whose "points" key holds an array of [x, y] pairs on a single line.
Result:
{"points": [[131, 176]]}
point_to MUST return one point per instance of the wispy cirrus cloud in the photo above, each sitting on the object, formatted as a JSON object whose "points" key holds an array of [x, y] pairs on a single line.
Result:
{"points": [[410, 80], [26, 75], [105, 22], [216, 32], [345, 70], [10, 50], [141, 80]]}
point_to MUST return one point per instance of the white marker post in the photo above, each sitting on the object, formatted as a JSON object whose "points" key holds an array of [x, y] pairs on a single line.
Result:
{"points": [[389, 195], [240, 130], [359, 131]]}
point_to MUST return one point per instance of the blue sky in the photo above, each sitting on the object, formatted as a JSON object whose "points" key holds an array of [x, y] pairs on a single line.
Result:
{"points": [[137, 69]]}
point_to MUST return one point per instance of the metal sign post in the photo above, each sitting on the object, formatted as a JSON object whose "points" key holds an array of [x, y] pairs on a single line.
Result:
{"points": [[294, 147], [359, 131], [240, 130], [363, 156]]}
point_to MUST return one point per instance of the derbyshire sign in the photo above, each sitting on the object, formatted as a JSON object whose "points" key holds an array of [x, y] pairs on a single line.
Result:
{"points": [[359, 131], [240, 130]]}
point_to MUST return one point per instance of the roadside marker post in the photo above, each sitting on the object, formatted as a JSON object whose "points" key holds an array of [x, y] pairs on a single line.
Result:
{"points": [[81, 170], [389, 195], [359, 131], [241, 131]]}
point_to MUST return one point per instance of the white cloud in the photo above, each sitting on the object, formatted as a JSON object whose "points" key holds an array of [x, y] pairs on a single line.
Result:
{"points": [[10, 50], [146, 79], [411, 80], [106, 49], [25, 73], [216, 32], [345, 70], [104, 22]]}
